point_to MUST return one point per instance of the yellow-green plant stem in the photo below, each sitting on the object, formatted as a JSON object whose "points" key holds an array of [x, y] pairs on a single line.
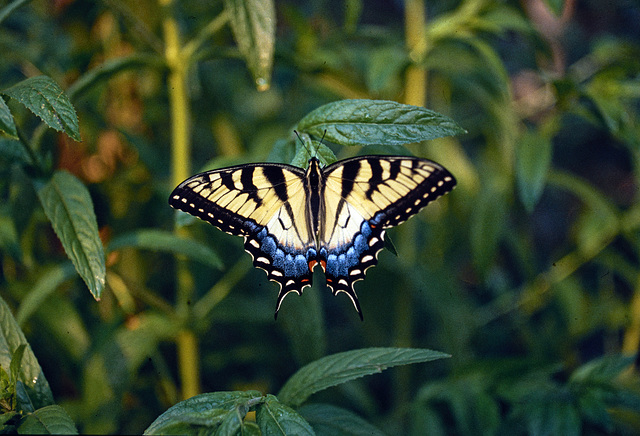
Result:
{"points": [[415, 94], [415, 89], [186, 341]]}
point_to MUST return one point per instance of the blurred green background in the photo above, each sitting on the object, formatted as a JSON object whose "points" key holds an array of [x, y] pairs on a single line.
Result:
{"points": [[527, 273]]}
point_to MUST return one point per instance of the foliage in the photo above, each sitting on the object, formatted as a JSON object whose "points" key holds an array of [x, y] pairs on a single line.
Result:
{"points": [[527, 274]]}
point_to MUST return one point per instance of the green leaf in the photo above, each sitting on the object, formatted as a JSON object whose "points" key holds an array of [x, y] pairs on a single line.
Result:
{"points": [[368, 122], [30, 374], [68, 205], [7, 125], [342, 367], [533, 160], [254, 25], [233, 420], [160, 240], [42, 96], [554, 416], [12, 151], [48, 420], [487, 225], [275, 418], [72, 336], [205, 412], [9, 242], [330, 420], [16, 361], [603, 370], [44, 287]]}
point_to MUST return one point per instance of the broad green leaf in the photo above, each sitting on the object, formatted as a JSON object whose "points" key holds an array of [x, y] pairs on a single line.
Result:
{"points": [[328, 420], [68, 205], [31, 375], [254, 25], [368, 122], [7, 125], [275, 418], [44, 287], [42, 96], [533, 160], [342, 367], [204, 412], [160, 240], [48, 420]]}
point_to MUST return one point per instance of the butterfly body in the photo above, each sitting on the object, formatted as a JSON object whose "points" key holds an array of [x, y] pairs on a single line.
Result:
{"points": [[293, 220]]}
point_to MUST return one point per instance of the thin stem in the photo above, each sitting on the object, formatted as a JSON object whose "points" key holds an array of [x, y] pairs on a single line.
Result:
{"points": [[212, 28], [415, 90], [33, 158], [6, 11], [186, 341]]}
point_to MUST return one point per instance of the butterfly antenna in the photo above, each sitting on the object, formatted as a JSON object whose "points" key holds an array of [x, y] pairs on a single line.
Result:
{"points": [[321, 140], [315, 152]]}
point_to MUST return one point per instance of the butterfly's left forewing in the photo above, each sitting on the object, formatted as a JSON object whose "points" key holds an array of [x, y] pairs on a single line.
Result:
{"points": [[363, 196], [264, 203]]}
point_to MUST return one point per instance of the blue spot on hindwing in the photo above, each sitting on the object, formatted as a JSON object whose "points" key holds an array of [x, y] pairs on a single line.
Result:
{"points": [[332, 265], [365, 229], [261, 235], [268, 246], [343, 258], [360, 243], [279, 260], [312, 254], [301, 265]]}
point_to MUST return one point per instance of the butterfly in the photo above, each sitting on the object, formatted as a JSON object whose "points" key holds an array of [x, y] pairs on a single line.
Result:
{"points": [[294, 219]]}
